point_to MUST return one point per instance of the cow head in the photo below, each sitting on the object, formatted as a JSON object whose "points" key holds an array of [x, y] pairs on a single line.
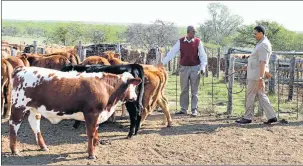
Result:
{"points": [[125, 90]]}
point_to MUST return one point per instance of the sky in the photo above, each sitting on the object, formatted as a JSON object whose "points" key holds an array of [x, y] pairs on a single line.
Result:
{"points": [[183, 13]]}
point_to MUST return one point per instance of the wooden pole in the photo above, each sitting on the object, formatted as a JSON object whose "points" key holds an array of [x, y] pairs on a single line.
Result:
{"points": [[80, 51], [291, 78], [35, 47], [218, 64], [273, 71], [230, 85]]}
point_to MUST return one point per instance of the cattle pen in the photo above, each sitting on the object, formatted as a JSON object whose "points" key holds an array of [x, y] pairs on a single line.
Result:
{"points": [[210, 138]]}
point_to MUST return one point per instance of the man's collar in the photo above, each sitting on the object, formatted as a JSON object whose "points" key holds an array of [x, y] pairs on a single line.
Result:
{"points": [[189, 41], [262, 39]]}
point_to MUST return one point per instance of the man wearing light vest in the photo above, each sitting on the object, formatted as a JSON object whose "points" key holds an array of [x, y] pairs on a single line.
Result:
{"points": [[193, 60]]}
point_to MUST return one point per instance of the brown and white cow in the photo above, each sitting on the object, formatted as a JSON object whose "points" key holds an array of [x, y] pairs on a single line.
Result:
{"points": [[56, 95]]}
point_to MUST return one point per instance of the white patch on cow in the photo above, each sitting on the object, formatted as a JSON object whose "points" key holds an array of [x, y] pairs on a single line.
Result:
{"points": [[34, 123], [30, 77], [105, 114], [21, 99], [126, 76], [132, 90], [54, 118], [16, 127]]}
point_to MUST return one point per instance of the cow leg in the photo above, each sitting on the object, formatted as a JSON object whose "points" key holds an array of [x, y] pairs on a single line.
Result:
{"points": [[3, 97], [138, 124], [96, 137], [34, 121], [9, 101], [123, 114], [144, 115], [76, 124], [91, 128], [164, 105], [2, 103], [15, 121], [133, 112]]}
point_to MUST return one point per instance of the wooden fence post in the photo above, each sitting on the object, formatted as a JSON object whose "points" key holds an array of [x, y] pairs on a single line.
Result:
{"points": [[218, 64], [119, 50], [35, 47], [291, 78], [231, 69], [43, 50], [80, 51], [273, 70], [227, 59]]}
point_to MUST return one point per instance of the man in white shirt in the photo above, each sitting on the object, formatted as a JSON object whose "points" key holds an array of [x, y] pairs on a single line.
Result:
{"points": [[193, 60], [257, 65]]}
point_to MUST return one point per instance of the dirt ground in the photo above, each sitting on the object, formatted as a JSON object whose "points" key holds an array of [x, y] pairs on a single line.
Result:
{"points": [[202, 140]]}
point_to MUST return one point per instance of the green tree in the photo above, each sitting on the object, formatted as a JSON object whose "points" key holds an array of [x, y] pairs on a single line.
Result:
{"points": [[221, 25], [280, 37]]}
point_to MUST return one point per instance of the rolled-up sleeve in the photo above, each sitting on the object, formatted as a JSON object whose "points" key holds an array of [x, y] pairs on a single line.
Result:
{"points": [[172, 53], [202, 56], [263, 52]]}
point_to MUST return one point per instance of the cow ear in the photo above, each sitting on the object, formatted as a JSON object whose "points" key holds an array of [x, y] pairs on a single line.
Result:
{"points": [[134, 81]]}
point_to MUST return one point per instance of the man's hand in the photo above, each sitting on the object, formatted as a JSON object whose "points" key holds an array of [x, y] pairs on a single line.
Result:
{"points": [[244, 67], [261, 85]]}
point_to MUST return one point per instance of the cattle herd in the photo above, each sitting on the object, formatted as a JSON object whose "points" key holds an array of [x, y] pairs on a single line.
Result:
{"points": [[58, 86]]}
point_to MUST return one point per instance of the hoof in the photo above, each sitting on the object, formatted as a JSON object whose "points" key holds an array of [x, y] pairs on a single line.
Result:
{"points": [[92, 157], [169, 124], [44, 149], [16, 154], [130, 136]]}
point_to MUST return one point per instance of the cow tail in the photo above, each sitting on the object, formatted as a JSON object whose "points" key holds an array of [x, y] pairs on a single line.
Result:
{"points": [[141, 88]]}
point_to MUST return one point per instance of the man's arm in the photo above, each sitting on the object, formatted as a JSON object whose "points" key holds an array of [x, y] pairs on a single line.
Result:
{"points": [[202, 56], [263, 58], [172, 53]]}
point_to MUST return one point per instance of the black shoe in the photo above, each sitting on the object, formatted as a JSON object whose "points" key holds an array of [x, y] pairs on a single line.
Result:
{"points": [[243, 121], [272, 120], [181, 112]]}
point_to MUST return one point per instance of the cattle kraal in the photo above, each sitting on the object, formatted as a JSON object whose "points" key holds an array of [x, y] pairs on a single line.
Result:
{"points": [[56, 95]]}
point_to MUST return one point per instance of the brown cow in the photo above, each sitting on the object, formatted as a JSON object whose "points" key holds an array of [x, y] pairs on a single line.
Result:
{"points": [[57, 48], [95, 60], [7, 64], [156, 79], [6, 87], [20, 60], [56, 62], [56, 95], [70, 55]]}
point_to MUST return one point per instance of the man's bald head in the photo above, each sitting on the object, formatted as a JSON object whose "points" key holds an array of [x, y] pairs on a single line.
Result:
{"points": [[191, 28], [191, 31]]}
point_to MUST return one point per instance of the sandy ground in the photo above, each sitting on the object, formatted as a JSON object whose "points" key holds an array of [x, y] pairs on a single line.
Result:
{"points": [[202, 140]]}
